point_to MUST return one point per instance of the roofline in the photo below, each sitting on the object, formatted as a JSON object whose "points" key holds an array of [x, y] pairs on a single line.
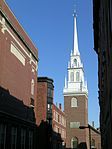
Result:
{"points": [[59, 109], [44, 79], [91, 127], [17, 33]]}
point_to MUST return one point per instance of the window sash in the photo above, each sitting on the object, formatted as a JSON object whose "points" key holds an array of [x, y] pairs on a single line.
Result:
{"points": [[30, 139], [23, 138], [2, 136], [13, 138]]}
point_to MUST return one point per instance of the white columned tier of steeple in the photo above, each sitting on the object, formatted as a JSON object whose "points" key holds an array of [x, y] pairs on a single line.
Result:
{"points": [[75, 82]]}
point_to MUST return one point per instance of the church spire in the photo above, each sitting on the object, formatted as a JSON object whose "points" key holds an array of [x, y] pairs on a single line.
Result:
{"points": [[75, 42], [75, 82]]}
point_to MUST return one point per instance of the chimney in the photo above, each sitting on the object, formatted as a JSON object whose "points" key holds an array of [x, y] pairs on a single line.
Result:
{"points": [[92, 123], [60, 106]]}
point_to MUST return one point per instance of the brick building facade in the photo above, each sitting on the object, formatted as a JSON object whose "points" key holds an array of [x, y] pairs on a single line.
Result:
{"points": [[52, 131], [95, 138], [102, 18], [45, 91], [18, 83], [18, 57], [59, 122]]}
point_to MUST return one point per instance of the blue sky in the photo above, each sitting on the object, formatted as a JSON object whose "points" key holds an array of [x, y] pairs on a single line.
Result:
{"points": [[49, 23]]}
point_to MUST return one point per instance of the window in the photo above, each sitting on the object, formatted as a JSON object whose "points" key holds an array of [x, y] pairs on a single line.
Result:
{"points": [[72, 76], [50, 100], [74, 143], [58, 129], [32, 86], [93, 143], [75, 62], [74, 102], [63, 133], [23, 138], [77, 76], [58, 118], [74, 124], [13, 138], [30, 139], [62, 120], [50, 92], [49, 107], [54, 117], [17, 53], [32, 102], [2, 136]]}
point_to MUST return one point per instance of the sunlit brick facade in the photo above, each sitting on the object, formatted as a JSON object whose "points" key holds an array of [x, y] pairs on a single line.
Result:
{"points": [[59, 122], [95, 138], [45, 91], [18, 83], [18, 58]]}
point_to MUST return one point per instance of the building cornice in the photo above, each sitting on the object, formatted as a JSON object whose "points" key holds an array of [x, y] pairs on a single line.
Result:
{"points": [[18, 34], [76, 94]]}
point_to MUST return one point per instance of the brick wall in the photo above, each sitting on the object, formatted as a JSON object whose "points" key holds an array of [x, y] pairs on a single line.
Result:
{"points": [[41, 102], [18, 63], [76, 114], [59, 121], [95, 136]]}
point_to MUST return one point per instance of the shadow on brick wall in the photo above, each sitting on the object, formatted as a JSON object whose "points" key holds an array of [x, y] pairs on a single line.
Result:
{"points": [[15, 107], [81, 145], [47, 138], [15, 116]]}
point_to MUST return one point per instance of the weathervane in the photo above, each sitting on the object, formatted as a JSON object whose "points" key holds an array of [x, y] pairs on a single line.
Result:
{"points": [[74, 13]]}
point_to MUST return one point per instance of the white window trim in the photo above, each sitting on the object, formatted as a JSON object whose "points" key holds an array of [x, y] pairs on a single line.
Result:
{"points": [[32, 86], [74, 102], [74, 124], [17, 53]]}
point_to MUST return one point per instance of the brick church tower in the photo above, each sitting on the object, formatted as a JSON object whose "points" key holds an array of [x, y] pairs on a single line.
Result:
{"points": [[76, 98]]}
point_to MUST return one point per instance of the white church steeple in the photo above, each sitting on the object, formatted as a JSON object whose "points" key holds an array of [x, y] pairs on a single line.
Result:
{"points": [[75, 50], [75, 82]]}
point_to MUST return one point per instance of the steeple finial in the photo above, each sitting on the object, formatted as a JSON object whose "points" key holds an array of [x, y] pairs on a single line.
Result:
{"points": [[74, 14]]}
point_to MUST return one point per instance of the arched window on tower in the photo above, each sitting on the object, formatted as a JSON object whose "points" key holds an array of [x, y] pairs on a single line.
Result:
{"points": [[75, 62], [74, 143], [77, 76], [74, 102], [72, 76]]}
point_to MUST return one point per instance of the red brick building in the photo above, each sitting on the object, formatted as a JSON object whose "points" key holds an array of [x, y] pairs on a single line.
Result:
{"points": [[18, 83], [59, 122], [50, 119], [95, 138], [45, 91], [18, 58]]}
